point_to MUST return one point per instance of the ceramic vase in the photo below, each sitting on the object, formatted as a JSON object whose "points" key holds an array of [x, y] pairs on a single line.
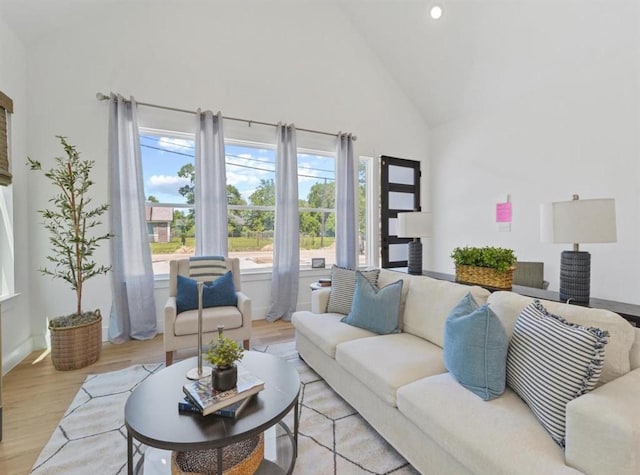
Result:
{"points": [[224, 379]]}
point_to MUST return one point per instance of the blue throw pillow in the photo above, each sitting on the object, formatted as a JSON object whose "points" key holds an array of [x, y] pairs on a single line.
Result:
{"points": [[219, 293], [475, 348], [374, 309]]}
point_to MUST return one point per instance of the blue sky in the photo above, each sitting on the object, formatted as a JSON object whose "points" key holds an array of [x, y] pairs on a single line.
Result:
{"points": [[162, 157]]}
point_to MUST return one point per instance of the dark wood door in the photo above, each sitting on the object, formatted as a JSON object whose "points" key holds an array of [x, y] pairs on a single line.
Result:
{"points": [[400, 192]]}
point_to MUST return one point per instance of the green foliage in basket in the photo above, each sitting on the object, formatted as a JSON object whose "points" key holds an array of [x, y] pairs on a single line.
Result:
{"points": [[497, 258], [223, 352]]}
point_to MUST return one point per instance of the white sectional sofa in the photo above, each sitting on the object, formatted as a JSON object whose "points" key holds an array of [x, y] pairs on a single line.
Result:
{"points": [[399, 384]]}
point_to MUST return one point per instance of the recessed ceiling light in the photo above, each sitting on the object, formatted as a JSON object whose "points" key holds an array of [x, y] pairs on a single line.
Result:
{"points": [[436, 12]]}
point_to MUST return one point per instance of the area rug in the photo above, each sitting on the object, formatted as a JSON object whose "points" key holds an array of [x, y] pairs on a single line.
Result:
{"points": [[333, 438]]}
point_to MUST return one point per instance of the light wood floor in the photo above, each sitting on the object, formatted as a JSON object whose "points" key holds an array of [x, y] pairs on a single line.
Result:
{"points": [[36, 395]]}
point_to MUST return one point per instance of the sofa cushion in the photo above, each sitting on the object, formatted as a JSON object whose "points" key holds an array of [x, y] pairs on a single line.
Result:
{"points": [[386, 362], [508, 306], [501, 436], [326, 330], [429, 303], [475, 348], [343, 284], [375, 309], [187, 322], [551, 362]]}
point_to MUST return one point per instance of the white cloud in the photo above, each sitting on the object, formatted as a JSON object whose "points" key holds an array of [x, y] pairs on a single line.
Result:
{"points": [[245, 183], [180, 145], [165, 184]]}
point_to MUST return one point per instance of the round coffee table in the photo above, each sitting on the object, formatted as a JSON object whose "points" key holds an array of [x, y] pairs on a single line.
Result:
{"points": [[151, 412]]}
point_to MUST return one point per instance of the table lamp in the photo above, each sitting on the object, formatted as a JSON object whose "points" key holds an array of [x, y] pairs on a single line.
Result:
{"points": [[416, 225], [577, 221]]}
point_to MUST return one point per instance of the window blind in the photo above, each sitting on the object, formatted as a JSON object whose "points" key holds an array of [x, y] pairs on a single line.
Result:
{"points": [[6, 108]]}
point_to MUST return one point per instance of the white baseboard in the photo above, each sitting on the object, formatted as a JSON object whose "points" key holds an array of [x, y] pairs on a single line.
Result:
{"points": [[11, 360]]}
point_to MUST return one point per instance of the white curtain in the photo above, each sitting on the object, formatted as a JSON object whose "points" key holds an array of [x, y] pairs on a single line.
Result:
{"points": [[286, 255], [133, 309], [346, 203], [210, 186]]}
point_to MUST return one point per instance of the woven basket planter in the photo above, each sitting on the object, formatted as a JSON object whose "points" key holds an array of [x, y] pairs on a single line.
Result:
{"points": [[76, 347], [485, 277], [241, 458]]}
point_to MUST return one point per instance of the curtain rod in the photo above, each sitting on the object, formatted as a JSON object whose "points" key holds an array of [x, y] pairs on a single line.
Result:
{"points": [[103, 97]]}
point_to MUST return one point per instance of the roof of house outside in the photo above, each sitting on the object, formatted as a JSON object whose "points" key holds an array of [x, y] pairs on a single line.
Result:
{"points": [[158, 213]]}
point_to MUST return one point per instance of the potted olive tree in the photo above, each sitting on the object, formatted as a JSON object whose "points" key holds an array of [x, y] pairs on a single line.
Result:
{"points": [[487, 266], [76, 339], [223, 354]]}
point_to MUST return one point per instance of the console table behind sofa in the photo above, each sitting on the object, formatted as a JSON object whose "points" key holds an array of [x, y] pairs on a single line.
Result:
{"points": [[629, 311]]}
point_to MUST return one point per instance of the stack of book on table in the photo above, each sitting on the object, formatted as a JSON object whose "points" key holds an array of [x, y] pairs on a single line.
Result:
{"points": [[200, 397]]}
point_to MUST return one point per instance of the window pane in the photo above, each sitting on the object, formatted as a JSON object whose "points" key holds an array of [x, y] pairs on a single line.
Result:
{"points": [[398, 252], [363, 225], [400, 175], [251, 197], [168, 175], [393, 226], [400, 201], [316, 197]]}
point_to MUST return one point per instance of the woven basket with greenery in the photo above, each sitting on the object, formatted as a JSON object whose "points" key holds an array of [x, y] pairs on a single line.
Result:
{"points": [[484, 276], [74, 347], [485, 266]]}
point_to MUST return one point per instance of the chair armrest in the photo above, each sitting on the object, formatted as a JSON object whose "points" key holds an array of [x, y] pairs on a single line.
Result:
{"points": [[320, 300], [603, 428], [244, 306], [170, 314]]}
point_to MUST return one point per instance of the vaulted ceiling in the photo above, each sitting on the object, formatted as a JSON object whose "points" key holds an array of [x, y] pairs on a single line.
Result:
{"points": [[479, 55]]}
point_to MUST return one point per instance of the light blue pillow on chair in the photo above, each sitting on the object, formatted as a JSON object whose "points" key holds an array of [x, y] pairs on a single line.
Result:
{"points": [[375, 309], [475, 348]]}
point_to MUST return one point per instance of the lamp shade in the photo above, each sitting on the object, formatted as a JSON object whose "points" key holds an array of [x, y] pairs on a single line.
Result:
{"points": [[414, 225], [578, 221]]}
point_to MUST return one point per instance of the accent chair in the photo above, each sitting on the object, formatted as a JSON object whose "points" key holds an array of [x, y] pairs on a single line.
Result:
{"points": [[181, 329]]}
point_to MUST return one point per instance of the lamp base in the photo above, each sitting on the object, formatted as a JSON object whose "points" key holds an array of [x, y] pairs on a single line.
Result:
{"points": [[194, 374], [415, 257], [575, 276]]}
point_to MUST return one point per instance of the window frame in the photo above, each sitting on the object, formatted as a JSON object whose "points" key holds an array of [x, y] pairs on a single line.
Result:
{"points": [[7, 256]]}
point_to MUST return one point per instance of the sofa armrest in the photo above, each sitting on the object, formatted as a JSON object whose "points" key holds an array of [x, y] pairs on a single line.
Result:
{"points": [[320, 300], [603, 428], [244, 306]]}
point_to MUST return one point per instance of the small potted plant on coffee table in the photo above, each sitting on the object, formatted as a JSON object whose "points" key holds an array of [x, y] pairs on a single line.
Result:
{"points": [[223, 354]]}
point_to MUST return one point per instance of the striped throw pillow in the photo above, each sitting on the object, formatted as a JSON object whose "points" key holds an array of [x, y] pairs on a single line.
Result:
{"points": [[207, 268], [551, 362], [343, 286]]}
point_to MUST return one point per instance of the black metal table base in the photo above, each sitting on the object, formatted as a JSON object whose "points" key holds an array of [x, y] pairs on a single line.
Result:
{"points": [[131, 470]]}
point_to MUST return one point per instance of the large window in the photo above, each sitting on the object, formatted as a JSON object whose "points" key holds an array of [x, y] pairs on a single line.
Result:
{"points": [[168, 169]]}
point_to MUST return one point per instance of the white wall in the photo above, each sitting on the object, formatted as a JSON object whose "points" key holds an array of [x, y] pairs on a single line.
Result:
{"points": [[301, 64], [574, 128], [17, 339]]}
